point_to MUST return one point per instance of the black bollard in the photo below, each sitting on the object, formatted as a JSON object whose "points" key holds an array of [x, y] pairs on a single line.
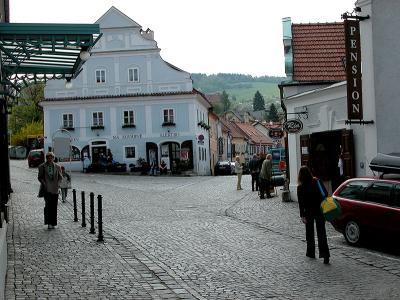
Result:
{"points": [[92, 213], [83, 209], [75, 208], [100, 218]]}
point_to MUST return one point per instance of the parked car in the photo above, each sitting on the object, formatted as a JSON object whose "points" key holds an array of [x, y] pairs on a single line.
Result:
{"points": [[369, 206], [35, 157], [224, 167]]}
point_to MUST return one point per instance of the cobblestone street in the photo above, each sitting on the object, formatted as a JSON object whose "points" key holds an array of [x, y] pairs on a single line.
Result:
{"points": [[180, 238]]}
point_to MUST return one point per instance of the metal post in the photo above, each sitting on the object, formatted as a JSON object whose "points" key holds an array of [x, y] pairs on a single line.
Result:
{"points": [[75, 208], [92, 213], [100, 218], [83, 209]]}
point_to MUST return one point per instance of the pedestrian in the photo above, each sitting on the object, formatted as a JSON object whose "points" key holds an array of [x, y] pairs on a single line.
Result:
{"points": [[265, 177], [239, 172], [50, 176], [310, 198], [65, 184], [254, 167], [163, 167]]}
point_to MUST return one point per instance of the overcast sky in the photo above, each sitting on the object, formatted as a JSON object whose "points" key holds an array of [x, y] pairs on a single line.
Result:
{"points": [[200, 36]]}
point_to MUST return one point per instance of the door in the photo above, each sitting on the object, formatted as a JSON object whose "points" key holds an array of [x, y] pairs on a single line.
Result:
{"points": [[348, 153], [376, 210], [305, 150], [96, 151]]}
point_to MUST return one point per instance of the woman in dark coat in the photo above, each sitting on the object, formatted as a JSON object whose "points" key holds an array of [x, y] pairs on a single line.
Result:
{"points": [[50, 177], [310, 198]]}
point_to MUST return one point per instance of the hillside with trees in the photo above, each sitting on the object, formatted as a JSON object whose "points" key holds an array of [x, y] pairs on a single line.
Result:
{"points": [[240, 88]]}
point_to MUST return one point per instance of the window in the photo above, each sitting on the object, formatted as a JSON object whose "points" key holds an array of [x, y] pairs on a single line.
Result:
{"points": [[101, 76], [130, 152], [379, 192], [129, 118], [133, 75], [354, 190], [98, 118], [168, 115], [68, 121], [396, 200]]}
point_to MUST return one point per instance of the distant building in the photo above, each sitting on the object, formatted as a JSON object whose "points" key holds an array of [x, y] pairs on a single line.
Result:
{"points": [[129, 100]]}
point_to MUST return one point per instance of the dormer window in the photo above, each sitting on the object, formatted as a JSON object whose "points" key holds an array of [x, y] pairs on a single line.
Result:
{"points": [[133, 75]]}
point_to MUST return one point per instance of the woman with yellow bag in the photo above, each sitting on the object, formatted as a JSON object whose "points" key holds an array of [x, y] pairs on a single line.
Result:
{"points": [[310, 198]]}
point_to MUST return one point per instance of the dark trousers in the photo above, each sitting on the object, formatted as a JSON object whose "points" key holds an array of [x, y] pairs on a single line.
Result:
{"points": [[323, 248], [265, 187], [254, 180], [50, 209]]}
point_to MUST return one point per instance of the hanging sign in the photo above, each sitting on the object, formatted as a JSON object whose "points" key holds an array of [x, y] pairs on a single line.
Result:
{"points": [[293, 126], [275, 133], [353, 70]]}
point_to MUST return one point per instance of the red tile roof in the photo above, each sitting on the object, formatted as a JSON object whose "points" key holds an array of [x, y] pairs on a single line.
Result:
{"points": [[318, 51], [253, 134]]}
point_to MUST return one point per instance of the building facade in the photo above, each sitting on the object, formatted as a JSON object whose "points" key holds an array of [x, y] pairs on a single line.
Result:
{"points": [[130, 101], [322, 105]]}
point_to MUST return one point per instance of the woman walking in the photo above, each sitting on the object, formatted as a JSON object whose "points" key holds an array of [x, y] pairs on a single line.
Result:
{"points": [[239, 172], [310, 198], [50, 176], [65, 184]]}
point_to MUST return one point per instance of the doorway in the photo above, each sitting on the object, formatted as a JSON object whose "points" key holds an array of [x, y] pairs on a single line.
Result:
{"points": [[321, 151]]}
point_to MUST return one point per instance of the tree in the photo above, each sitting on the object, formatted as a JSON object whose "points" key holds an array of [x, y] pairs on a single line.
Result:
{"points": [[28, 109], [273, 113], [258, 102], [226, 104]]}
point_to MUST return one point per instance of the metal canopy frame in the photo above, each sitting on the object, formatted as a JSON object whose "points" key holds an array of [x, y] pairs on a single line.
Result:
{"points": [[37, 52]]}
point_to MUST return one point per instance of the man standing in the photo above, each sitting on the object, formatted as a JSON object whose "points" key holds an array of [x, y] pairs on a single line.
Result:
{"points": [[265, 177], [50, 176], [255, 171]]}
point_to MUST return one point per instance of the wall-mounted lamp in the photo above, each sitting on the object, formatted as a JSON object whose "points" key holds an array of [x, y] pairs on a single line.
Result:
{"points": [[84, 55], [68, 83]]}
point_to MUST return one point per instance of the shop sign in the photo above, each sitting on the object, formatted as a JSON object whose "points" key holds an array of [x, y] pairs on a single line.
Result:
{"points": [[126, 137], [169, 134], [293, 126], [353, 70], [275, 133]]}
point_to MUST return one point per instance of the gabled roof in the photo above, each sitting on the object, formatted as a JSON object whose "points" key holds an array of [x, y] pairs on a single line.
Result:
{"points": [[114, 18], [318, 52], [232, 128], [255, 136]]}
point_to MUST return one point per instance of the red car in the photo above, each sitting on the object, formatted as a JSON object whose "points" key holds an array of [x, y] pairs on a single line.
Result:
{"points": [[368, 206], [35, 158]]}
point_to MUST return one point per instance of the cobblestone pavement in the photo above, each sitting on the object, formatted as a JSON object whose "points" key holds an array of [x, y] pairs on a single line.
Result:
{"points": [[180, 238]]}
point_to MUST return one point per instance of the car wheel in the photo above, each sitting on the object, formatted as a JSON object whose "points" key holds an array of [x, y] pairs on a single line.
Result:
{"points": [[352, 233]]}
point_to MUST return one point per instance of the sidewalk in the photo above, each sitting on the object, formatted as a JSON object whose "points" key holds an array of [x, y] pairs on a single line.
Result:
{"points": [[68, 262]]}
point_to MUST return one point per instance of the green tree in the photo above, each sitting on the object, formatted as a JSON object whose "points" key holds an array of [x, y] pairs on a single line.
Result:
{"points": [[226, 103], [33, 128], [27, 110], [258, 102], [273, 113]]}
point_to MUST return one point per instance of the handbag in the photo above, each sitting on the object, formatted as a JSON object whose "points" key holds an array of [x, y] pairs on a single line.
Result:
{"points": [[42, 191], [330, 207]]}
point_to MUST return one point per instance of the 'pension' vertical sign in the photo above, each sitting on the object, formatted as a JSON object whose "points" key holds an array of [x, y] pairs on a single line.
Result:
{"points": [[353, 70]]}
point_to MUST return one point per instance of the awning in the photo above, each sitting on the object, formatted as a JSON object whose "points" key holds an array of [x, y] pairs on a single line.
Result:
{"points": [[31, 52]]}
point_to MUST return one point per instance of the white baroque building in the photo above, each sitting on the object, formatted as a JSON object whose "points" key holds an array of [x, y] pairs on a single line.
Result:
{"points": [[127, 99]]}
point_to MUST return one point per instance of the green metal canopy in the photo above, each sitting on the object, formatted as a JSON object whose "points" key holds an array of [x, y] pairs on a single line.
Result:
{"points": [[31, 51]]}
